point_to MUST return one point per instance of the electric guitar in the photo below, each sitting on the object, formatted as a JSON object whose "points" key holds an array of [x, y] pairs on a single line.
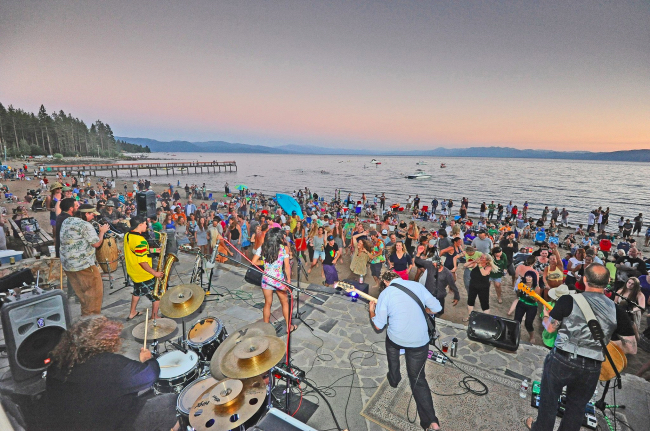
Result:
{"points": [[348, 288], [616, 353]]}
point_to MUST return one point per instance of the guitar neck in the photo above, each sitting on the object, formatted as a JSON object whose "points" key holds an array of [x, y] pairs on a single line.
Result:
{"points": [[534, 295], [350, 288]]}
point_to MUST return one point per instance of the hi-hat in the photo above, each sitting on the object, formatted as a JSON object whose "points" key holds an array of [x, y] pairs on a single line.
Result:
{"points": [[227, 404], [253, 330], [180, 301], [157, 328], [252, 357]]}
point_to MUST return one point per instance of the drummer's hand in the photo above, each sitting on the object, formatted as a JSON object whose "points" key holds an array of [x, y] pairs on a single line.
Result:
{"points": [[157, 274], [103, 228], [145, 354]]}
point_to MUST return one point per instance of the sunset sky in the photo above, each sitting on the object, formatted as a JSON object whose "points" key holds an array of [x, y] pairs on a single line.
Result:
{"points": [[562, 75]]}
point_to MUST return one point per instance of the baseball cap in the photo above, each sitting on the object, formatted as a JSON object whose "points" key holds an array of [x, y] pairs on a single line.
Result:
{"points": [[56, 185], [330, 238], [88, 208], [384, 232], [136, 221], [110, 204], [66, 189]]}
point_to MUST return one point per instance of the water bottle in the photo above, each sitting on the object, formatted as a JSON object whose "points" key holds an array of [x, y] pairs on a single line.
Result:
{"points": [[361, 279], [454, 347], [524, 388]]}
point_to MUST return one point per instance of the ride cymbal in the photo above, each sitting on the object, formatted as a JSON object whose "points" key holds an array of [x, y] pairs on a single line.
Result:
{"points": [[157, 328], [248, 331], [228, 404], [252, 357], [181, 301]]}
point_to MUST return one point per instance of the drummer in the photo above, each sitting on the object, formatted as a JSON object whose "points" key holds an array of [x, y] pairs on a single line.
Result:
{"points": [[90, 386], [138, 266]]}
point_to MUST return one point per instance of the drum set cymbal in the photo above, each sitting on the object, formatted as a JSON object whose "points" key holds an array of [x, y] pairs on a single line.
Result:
{"points": [[252, 357], [253, 330], [156, 329], [181, 301], [228, 404]]}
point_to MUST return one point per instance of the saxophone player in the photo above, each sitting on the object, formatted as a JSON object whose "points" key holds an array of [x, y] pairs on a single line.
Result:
{"points": [[139, 266]]}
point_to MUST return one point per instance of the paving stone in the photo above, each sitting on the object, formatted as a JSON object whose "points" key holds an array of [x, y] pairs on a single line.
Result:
{"points": [[357, 338], [470, 359], [493, 360]]}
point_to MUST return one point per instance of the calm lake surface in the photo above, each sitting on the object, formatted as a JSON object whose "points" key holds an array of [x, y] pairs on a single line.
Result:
{"points": [[580, 186]]}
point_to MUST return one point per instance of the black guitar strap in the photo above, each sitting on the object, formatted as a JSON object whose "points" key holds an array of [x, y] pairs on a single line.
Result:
{"points": [[430, 322]]}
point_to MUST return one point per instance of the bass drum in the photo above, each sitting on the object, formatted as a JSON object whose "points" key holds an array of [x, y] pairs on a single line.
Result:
{"points": [[107, 255], [188, 397]]}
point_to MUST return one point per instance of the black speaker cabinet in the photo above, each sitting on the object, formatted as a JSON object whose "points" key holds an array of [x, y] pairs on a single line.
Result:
{"points": [[32, 325], [493, 330], [146, 203]]}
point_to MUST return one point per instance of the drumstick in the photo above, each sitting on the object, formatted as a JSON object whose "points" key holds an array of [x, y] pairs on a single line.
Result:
{"points": [[169, 366], [146, 326]]}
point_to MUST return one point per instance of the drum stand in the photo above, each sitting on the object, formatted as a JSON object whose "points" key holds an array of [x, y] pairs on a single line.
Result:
{"points": [[127, 280]]}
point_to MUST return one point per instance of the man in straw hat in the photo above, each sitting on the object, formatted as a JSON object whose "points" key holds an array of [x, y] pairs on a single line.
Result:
{"points": [[78, 243]]}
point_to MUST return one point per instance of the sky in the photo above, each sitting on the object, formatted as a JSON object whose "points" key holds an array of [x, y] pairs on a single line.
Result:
{"points": [[560, 75]]}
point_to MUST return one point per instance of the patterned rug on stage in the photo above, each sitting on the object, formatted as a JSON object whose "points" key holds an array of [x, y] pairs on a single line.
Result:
{"points": [[501, 409]]}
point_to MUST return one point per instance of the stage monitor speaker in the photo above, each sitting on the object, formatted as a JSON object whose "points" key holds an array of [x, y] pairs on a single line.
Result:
{"points": [[146, 203], [493, 330], [32, 325], [277, 420]]}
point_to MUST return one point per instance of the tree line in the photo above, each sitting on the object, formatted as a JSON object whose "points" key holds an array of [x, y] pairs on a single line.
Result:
{"points": [[27, 134]]}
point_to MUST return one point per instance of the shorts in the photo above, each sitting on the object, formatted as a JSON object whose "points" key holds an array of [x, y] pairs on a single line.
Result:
{"points": [[319, 254], [375, 269], [145, 288], [496, 280]]}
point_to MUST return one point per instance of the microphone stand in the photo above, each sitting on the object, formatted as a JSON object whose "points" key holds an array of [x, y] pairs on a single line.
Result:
{"points": [[300, 269], [292, 288], [629, 301]]}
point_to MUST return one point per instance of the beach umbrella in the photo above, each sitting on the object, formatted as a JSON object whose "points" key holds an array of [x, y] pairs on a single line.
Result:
{"points": [[241, 187], [289, 204]]}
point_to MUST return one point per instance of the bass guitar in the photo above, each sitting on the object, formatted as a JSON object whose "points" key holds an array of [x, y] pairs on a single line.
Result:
{"points": [[616, 353]]}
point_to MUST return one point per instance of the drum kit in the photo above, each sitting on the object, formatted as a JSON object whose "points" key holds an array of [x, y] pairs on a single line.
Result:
{"points": [[224, 382]]}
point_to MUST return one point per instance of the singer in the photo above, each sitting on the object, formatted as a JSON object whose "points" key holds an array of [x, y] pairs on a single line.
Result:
{"points": [[275, 257]]}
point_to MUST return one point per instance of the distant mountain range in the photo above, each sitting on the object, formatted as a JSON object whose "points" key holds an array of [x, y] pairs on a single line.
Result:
{"points": [[498, 152]]}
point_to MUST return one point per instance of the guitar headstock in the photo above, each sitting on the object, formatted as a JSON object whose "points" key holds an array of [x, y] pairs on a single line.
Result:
{"points": [[346, 286], [527, 290]]}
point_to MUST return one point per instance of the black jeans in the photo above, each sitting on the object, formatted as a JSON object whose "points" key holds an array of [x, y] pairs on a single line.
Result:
{"points": [[530, 311], [580, 376], [416, 358]]}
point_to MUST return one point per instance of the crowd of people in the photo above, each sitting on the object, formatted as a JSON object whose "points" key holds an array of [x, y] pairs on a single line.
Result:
{"points": [[414, 245]]}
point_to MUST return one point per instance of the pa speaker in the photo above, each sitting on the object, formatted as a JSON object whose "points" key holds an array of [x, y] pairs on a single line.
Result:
{"points": [[146, 203], [32, 325], [493, 330], [16, 279]]}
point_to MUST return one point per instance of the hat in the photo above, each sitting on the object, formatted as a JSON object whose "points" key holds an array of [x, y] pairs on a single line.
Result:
{"points": [[384, 232], [373, 233], [88, 208], [110, 204], [556, 292], [56, 185], [66, 189], [330, 238], [294, 213]]}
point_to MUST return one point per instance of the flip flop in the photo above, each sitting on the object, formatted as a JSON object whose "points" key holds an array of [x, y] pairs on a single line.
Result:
{"points": [[136, 315], [293, 327]]}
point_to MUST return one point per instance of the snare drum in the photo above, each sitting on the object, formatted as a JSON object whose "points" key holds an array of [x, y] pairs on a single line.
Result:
{"points": [[205, 336], [177, 370]]}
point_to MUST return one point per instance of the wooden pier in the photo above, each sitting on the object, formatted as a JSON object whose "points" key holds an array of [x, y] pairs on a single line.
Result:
{"points": [[153, 168]]}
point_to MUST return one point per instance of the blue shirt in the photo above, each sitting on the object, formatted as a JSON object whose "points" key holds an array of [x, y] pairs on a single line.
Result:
{"points": [[407, 326]]}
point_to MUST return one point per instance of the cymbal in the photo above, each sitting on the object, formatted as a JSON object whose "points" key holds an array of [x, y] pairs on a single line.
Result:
{"points": [[252, 357], [252, 330], [217, 406], [156, 329], [180, 301]]}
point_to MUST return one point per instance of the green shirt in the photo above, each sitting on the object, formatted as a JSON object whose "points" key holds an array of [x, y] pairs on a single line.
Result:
{"points": [[502, 264], [348, 228], [491, 207], [378, 249]]}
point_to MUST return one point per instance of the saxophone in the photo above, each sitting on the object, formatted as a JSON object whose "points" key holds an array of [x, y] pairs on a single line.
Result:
{"points": [[165, 262]]}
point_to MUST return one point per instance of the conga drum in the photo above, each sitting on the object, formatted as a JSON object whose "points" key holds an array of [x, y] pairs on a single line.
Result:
{"points": [[107, 255]]}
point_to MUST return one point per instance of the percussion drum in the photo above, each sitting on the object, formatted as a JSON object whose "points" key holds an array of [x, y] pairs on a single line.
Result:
{"points": [[107, 252], [205, 336], [177, 370]]}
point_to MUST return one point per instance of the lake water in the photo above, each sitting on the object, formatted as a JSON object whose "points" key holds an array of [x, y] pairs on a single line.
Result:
{"points": [[580, 186]]}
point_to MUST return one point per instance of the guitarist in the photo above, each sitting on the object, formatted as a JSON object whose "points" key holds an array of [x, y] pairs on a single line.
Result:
{"points": [[407, 330], [576, 359]]}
